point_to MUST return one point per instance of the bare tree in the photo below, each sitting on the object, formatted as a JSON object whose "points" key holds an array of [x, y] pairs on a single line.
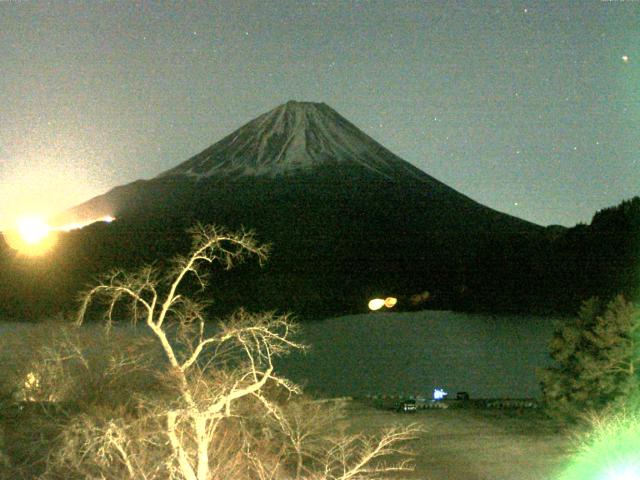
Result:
{"points": [[359, 456], [216, 374], [248, 342], [323, 450]]}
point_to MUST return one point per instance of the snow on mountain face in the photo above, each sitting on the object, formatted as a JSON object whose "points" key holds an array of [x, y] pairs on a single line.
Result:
{"points": [[295, 136]]}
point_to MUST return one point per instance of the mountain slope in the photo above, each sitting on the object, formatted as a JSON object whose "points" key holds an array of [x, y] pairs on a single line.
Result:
{"points": [[300, 144], [291, 138], [345, 216]]}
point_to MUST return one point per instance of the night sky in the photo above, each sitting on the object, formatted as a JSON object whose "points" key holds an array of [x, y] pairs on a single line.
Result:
{"points": [[531, 108]]}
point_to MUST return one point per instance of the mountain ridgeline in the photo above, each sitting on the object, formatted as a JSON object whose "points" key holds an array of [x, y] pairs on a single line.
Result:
{"points": [[346, 220]]}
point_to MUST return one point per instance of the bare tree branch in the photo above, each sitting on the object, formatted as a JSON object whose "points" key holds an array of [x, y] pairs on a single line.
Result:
{"points": [[216, 373]]}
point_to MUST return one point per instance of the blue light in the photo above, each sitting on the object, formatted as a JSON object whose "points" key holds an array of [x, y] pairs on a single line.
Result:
{"points": [[439, 394]]}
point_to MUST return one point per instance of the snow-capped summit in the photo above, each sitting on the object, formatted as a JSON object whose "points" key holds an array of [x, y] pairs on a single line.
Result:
{"points": [[292, 137]]}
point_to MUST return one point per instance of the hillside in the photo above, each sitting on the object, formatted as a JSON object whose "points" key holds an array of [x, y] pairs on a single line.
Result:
{"points": [[346, 219]]}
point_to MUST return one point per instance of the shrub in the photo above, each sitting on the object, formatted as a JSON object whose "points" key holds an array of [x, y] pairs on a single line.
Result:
{"points": [[597, 360]]}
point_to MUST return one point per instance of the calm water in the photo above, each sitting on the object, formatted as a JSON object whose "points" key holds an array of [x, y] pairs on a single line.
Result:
{"points": [[413, 353]]}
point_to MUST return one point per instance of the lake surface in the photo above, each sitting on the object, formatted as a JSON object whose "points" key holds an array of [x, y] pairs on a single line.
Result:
{"points": [[414, 352]]}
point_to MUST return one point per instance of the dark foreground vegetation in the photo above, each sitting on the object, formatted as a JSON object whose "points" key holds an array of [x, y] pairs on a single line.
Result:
{"points": [[168, 401], [594, 388], [163, 399]]}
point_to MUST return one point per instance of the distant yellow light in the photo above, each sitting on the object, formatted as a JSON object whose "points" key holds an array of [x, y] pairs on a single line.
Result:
{"points": [[33, 230], [390, 302], [71, 226], [31, 236], [78, 225], [376, 304]]}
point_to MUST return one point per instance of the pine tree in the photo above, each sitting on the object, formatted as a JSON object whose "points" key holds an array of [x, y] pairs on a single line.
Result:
{"points": [[597, 357]]}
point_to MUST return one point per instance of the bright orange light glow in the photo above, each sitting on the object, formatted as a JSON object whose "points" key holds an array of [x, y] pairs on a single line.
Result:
{"points": [[33, 229], [390, 302], [32, 236], [77, 225], [376, 304], [71, 226]]}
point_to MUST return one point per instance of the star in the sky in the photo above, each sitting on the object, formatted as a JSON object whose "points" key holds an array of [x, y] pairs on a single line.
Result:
{"points": [[625, 58]]}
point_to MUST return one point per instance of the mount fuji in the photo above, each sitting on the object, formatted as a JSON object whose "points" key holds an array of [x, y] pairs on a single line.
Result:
{"points": [[297, 143], [291, 138], [346, 219]]}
